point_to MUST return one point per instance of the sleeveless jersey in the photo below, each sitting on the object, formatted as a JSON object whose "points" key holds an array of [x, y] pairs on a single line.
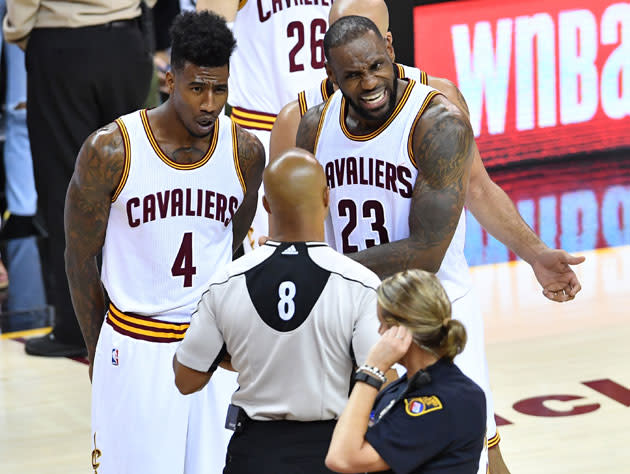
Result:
{"points": [[316, 95], [170, 225], [279, 52], [371, 179]]}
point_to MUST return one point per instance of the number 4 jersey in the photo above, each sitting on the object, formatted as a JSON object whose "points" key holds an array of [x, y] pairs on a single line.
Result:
{"points": [[371, 180], [170, 225]]}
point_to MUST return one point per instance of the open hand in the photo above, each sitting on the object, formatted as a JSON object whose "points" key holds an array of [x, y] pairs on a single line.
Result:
{"points": [[557, 278], [393, 344]]}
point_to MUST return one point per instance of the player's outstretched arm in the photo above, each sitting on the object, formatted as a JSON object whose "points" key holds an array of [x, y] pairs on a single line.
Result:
{"points": [[251, 158], [284, 131], [496, 212], [443, 149], [97, 173]]}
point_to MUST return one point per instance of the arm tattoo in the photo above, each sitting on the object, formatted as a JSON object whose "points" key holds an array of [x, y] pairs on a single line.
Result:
{"points": [[443, 144], [251, 157], [97, 174], [307, 131]]}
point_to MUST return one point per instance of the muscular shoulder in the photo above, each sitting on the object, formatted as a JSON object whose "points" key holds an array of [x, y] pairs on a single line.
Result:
{"points": [[307, 132], [442, 140], [451, 91], [102, 157], [251, 154]]}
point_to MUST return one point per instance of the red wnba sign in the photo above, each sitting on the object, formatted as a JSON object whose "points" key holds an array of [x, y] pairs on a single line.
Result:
{"points": [[542, 78]]}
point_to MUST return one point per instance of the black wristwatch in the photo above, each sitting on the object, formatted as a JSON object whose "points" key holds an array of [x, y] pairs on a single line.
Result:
{"points": [[368, 379]]}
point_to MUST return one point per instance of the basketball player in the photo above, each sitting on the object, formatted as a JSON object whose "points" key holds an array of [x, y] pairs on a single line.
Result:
{"points": [[295, 316], [167, 195], [279, 53], [398, 157]]}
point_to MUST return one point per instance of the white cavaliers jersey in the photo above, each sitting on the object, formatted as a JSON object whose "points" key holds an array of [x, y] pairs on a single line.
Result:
{"points": [[295, 317], [170, 225], [279, 52], [317, 95], [371, 179]]}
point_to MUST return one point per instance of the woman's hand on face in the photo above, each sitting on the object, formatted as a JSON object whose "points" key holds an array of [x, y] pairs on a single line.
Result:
{"points": [[393, 344]]}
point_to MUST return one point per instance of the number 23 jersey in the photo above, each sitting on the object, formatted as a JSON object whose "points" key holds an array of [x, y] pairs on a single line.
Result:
{"points": [[170, 225], [371, 179]]}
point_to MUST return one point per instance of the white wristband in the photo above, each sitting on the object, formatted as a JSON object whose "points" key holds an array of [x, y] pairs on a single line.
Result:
{"points": [[376, 372]]}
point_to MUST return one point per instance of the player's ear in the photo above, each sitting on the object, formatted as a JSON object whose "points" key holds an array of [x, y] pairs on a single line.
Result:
{"points": [[331, 74], [326, 198], [170, 81], [266, 205], [389, 46]]}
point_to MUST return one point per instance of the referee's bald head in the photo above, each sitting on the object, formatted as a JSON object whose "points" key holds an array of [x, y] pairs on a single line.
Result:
{"points": [[296, 191]]}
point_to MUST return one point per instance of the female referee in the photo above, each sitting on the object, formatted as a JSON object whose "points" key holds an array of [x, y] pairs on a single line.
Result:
{"points": [[430, 420]]}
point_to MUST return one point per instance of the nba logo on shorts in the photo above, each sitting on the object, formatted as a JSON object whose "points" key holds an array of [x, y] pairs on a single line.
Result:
{"points": [[114, 356]]}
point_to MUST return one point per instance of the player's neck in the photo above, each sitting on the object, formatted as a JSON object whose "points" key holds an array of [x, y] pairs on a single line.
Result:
{"points": [[165, 122], [296, 231], [358, 124]]}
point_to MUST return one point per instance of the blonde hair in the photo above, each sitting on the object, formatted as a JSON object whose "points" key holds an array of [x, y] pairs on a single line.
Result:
{"points": [[416, 300]]}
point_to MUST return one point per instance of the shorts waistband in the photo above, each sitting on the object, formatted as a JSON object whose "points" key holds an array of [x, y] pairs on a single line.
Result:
{"points": [[253, 119], [144, 327]]}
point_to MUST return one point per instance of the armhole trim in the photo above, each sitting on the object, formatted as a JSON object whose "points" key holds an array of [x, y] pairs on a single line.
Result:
{"points": [[127, 165], [320, 125], [237, 165], [302, 103], [428, 99], [241, 4]]}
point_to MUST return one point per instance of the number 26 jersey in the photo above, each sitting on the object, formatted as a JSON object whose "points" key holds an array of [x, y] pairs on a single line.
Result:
{"points": [[371, 179], [170, 225]]}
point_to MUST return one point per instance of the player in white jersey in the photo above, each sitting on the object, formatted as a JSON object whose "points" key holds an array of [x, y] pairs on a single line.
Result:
{"points": [[279, 52], [295, 316], [412, 197], [166, 194], [485, 199]]}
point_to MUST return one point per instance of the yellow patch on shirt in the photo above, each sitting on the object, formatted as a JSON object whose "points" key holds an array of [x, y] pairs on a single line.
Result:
{"points": [[422, 405]]}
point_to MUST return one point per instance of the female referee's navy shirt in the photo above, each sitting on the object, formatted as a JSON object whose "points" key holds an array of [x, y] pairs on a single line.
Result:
{"points": [[430, 426]]}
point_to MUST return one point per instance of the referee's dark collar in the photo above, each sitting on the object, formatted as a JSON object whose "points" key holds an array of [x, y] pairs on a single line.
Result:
{"points": [[275, 243]]}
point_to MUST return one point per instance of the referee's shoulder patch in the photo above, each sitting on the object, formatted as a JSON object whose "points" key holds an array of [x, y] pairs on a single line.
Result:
{"points": [[419, 406]]}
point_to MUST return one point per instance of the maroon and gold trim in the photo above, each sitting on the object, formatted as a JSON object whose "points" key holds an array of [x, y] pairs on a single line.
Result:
{"points": [[326, 88], [302, 103], [144, 327], [494, 441], [320, 125], [253, 119], [241, 4], [127, 165], [424, 78], [369, 136], [430, 96], [400, 70], [237, 164], [160, 153]]}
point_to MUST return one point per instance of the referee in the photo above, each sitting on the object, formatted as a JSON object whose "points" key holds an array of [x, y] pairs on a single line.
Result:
{"points": [[295, 316]]}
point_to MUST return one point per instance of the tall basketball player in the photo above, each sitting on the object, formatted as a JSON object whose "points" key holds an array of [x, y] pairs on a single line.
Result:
{"points": [[398, 157], [280, 52], [167, 195], [485, 199]]}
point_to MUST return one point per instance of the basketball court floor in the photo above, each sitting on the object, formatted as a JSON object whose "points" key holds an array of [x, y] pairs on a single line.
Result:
{"points": [[559, 371]]}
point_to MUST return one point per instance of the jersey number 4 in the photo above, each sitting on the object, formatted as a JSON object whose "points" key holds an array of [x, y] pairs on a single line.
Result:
{"points": [[183, 264], [318, 30], [370, 210]]}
